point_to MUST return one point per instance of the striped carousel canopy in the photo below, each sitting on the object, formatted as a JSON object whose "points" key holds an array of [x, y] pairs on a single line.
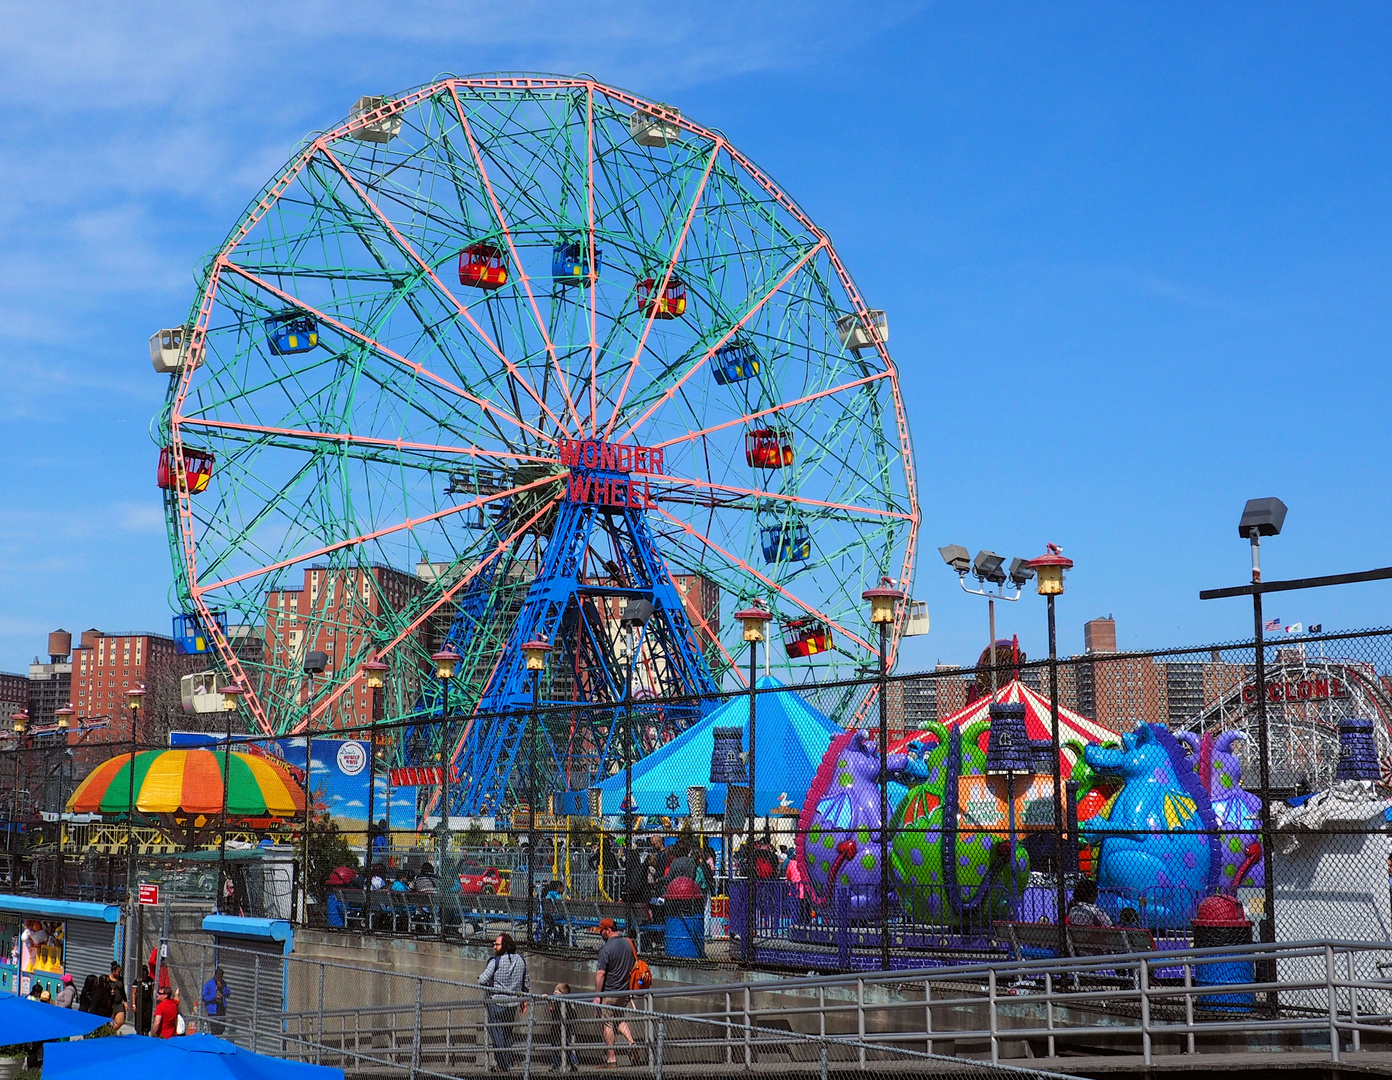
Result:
{"points": [[189, 782]]}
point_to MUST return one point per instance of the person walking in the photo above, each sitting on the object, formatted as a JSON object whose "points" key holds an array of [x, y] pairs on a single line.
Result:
{"points": [[617, 956], [66, 994], [559, 1031], [166, 1021], [505, 976], [116, 996], [215, 995]]}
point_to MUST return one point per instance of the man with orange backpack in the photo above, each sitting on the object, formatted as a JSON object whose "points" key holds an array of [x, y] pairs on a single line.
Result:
{"points": [[617, 970]]}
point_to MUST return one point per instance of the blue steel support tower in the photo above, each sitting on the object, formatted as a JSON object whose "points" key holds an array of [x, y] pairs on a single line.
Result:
{"points": [[600, 553]]}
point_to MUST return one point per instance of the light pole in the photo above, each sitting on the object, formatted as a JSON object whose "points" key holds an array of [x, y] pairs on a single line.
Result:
{"points": [[883, 599], [755, 619], [445, 661], [21, 725], [375, 675], [64, 716], [534, 656], [231, 696], [134, 697], [987, 568], [636, 614], [1050, 567], [1263, 517]]}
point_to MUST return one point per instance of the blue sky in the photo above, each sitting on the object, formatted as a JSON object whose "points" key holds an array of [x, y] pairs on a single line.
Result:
{"points": [[1135, 259]]}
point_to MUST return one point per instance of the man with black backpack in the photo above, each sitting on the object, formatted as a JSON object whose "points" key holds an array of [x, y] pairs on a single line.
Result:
{"points": [[618, 960]]}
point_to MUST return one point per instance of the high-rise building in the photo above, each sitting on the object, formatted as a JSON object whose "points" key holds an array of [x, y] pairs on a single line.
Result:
{"points": [[50, 684], [1184, 693], [14, 696], [1099, 635]]}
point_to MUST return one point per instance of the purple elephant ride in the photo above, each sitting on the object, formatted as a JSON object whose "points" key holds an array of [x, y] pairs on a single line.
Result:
{"points": [[1237, 811], [840, 840], [1158, 834]]}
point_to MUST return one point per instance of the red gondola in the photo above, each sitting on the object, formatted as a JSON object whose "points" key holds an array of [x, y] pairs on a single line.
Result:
{"points": [[669, 305], [768, 448], [806, 637], [198, 470], [483, 267]]}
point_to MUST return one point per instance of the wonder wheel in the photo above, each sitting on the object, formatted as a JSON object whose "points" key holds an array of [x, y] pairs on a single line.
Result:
{"points": [[487, 362]]}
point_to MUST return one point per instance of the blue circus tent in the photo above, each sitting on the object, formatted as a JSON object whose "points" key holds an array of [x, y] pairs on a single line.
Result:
{"points": [[792, 735]]}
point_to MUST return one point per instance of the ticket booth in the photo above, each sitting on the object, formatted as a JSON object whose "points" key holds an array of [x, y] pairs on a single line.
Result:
{"points": [[251, 953], [41, 940]]}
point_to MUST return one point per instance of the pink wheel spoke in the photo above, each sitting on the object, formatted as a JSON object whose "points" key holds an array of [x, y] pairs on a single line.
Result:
{"points": [[362, 440], [672, 390], [772, 410], [356, 335], [757, 493], [443, 599], [429, 271], [662, 289], [691, 530], [376, 534], [561, 377], [594, 273]]}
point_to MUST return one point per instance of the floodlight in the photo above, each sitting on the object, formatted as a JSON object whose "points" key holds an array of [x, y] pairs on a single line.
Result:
{"points": [[957, 557], [1020, 572], [987, 567], [636, 612], [315, 663], [1265, 515]]}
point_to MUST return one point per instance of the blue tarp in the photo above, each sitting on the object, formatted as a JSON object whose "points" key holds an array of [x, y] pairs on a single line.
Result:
{"points": [[23, 1020], [793, 736], [193, 1057]]}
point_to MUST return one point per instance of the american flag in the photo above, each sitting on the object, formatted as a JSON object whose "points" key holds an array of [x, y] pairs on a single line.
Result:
{"points": [[1272, 625]]}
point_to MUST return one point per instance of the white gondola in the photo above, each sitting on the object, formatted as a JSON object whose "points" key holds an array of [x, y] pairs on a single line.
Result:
{"points": [[168, 349], [650, 130], [854, 336], [917, 622], [379, 131], [201, 692]]}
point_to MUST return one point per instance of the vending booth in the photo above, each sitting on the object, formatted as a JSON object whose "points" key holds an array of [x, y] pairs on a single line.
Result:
{"points": [[42, 940]]}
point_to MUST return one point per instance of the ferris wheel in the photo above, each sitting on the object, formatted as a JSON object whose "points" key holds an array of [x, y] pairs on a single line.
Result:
{"points": [[496, 358]]}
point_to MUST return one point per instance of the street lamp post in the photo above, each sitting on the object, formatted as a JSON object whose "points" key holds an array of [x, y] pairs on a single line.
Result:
{"points": [[134, 697], [883, 599], [1050, 567], [231, 696], [64, 716], [987, 568], [636, 614], [755, 620], [1263, 517], [534, 656], [446, 661], [21, 725], [375, 676]]}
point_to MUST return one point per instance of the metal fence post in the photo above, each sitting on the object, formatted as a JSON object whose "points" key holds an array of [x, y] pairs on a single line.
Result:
{"points": [[1333, 1004], [748, 1028], [1143, 976], [1357, 1035], [928, 1012], [531, 1028], [860, 1020], [319, 1045], [824, 1059], [991, 1011], [255, 1000], [657, 1052], [1048, 1012], [1189, 1006], [416, 1037]]}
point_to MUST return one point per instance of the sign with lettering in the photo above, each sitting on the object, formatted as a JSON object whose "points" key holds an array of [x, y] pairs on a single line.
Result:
{"points": [[1302, 690], [588, 457], [148, 893]]}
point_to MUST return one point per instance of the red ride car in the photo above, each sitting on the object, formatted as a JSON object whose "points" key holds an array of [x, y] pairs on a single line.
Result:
{"points": [[475, 878]]}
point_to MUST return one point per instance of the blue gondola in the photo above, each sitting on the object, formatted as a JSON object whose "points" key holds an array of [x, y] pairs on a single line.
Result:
{"points": [[735, 361], [189, 638], [292, 333], [570, 263], [786, 543]]}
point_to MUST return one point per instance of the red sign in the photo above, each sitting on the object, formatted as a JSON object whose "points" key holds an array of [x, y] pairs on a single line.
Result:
{"points": [[611, 457], [1304, 690], [619, 491], [148, 894], [430, 774]]}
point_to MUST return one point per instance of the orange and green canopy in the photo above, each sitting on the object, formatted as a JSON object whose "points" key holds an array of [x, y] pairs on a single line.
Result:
{"points": [[186, 782]]}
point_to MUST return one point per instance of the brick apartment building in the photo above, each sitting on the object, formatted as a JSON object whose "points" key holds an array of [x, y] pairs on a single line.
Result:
{"points": [[333, 613]]}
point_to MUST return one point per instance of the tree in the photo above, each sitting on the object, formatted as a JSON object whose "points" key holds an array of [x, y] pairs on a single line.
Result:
{"points": [[328, 850]]}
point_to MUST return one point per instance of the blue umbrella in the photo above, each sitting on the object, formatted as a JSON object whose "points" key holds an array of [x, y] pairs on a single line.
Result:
{"points": [[190, 1057], [23, 1020]]}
